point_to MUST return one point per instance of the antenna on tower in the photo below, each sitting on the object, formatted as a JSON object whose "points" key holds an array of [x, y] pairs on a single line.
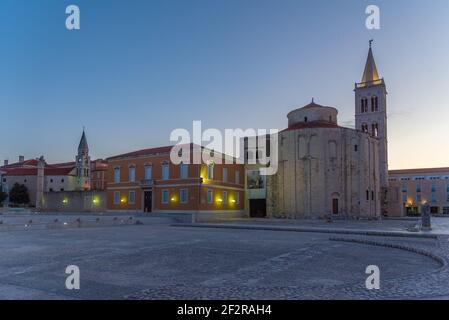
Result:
{"points": [[371, 43]]}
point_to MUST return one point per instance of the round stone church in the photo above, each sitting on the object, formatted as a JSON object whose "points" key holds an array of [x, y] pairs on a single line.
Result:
{"points": [[326, 169]]}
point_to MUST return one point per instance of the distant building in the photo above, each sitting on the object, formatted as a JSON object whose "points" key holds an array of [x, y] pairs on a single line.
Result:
{"points": [[59, 177], [146, 180], [410, 188], [98, 174]]}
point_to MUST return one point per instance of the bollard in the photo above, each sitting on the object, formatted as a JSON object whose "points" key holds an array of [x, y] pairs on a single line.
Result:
{"points": [[426, 224]]}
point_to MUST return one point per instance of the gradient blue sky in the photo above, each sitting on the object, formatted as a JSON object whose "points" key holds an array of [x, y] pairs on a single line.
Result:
{"points": [[138, 69]]}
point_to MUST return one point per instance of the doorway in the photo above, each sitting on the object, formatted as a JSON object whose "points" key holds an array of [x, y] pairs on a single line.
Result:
{"points": [[257, 208], [148, 201], [334, 206]]}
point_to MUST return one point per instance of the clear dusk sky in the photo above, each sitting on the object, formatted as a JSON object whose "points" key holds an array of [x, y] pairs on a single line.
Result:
{"points": [[139, 69]]}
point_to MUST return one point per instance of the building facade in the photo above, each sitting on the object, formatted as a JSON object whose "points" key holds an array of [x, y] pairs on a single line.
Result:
{"points": [[41, 177], [411, 188], [148, 181], [324, 168]]}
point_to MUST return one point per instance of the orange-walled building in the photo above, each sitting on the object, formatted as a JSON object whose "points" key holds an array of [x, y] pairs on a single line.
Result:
{"points": [[147, 181]]}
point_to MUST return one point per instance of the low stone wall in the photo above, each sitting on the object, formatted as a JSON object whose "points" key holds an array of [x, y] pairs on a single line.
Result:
{"points": [[75, 201]]}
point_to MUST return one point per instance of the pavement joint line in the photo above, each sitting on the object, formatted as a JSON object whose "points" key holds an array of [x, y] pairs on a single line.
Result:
{"points": [[308, 229], [422, 252]]}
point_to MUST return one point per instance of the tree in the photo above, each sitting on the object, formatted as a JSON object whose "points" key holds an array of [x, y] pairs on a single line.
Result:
{"points": [[3, 196], [19, 194]]}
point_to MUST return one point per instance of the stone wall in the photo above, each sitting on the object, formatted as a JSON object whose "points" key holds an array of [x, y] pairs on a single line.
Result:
{"points": [[75, 201]]}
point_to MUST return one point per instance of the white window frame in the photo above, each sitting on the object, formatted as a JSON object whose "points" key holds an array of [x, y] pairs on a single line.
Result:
{"points": [[186, 200], [184, 171], [117, 199], [130, 201], [210, 196], [225, 174], [165, 172], [148, 169], [132, 173], [210, 172], [167, 192], [117, 173]]}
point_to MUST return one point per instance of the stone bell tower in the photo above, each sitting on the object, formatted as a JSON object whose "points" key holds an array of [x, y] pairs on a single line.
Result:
{"points": [[83, 164], [371, 111]]}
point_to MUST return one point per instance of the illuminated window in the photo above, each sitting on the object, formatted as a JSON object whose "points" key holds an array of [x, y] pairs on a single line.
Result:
{"points": [[225, 197], [132, 197], [116, 197], [117, 175], [184, 171], [165, 172], [165, 196], [183, 195], [210, 171], [210, 196], [225, 174], [418, 197]]}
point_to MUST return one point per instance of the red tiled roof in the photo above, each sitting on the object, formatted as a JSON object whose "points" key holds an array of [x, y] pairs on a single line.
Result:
{"points": [[145, 152], [420, 171], [48, 171]]}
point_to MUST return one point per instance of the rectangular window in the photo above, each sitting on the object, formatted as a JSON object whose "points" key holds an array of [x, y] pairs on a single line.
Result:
{"points": [[165, 172], [184, 168], [117, 175], [225, 174], [132, 174], [237, 197], [210, 196], [445, 210], [225, 197], [418, 197], [116, 197], [183, 194], [148, 172], [210, 172], [165, 196], [132, 197], [237, 177]]}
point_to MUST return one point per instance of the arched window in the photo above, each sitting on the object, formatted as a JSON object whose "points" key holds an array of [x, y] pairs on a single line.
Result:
{"points": [[305, 119], [375, 129], [365, 127], [374, 104], [364, 105], [132, 173]]}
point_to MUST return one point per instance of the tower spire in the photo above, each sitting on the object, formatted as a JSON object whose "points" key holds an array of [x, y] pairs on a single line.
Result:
{"points": [[370, 73]]}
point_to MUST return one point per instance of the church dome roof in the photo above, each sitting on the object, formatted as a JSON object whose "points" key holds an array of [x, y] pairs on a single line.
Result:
{"points": [[312, 113]]}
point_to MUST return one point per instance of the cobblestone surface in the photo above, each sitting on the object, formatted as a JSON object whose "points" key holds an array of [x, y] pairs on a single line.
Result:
{"points": [[422, 285], [157, 261]]}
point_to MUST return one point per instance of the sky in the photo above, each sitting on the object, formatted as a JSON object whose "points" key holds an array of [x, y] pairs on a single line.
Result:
{"points": [[136, 70]]}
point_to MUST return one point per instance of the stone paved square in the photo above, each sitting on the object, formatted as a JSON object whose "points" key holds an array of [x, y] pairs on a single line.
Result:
{"points": [[157, 260]]}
